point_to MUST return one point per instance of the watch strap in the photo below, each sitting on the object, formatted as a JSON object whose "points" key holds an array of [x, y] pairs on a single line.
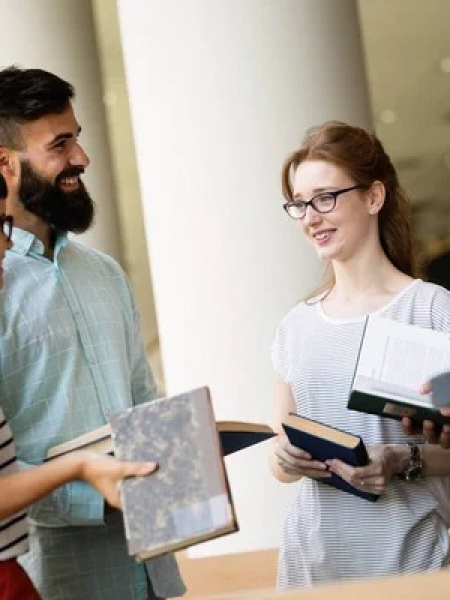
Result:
{"points": [[414, 468]]}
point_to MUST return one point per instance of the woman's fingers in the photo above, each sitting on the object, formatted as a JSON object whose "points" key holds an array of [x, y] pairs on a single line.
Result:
{"points": [[362, 478], [295, 461]]}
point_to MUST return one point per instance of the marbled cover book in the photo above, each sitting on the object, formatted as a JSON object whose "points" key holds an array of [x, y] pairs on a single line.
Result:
{"points": [[187, 500]]}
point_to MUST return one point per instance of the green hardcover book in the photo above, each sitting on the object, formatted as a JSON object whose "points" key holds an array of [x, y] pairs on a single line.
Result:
{"points": [[394, 360]]}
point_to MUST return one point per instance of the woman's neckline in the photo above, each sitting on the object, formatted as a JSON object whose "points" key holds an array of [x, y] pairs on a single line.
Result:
{"points": [[362, 317]]}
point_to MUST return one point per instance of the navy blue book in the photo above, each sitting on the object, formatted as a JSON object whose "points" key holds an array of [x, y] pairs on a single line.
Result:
{"points": [[324, 442]]}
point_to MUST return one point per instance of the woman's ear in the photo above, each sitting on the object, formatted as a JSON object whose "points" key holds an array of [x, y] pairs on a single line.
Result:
{"points": [[376, 196]]}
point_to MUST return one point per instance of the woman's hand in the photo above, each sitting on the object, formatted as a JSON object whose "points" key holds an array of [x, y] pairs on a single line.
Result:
{"points": [[105, 473], [293, 461], [385, 461]]}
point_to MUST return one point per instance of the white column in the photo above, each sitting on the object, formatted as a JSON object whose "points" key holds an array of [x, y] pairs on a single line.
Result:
{"points": [[220, 93], [58, 36]]}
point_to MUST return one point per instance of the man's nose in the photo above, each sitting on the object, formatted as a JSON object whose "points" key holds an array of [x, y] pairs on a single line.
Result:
{"points": [[78, 157]]}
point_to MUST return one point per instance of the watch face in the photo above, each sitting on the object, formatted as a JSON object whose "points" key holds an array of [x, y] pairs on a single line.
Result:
{"points": [[414, 469]]}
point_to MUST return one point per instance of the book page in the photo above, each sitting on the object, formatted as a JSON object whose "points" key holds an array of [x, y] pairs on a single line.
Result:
{"points": [[394, 392], [402, 355]]}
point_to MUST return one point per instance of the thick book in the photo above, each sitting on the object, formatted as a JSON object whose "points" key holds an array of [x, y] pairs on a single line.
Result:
{"points": [[234, 436], [188, 499], [394, 360], [324, 442]]}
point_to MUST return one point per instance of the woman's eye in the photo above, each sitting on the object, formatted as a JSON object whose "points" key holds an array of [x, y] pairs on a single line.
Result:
{"points": [[325, 199]]}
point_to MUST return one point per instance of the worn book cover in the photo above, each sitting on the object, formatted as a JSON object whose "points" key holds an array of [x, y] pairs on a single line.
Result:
{"points": [[188, 499], [395, 359], [324, 442]]}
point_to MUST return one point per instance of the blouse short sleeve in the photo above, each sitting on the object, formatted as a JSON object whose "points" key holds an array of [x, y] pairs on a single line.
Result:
{"points": [[440, 309], [279, 353]]}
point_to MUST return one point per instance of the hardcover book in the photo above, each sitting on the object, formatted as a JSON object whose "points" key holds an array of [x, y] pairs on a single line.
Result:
{"points": [[238, 435], [187, 500], [234, 436], [394, 360], [324, 442]]}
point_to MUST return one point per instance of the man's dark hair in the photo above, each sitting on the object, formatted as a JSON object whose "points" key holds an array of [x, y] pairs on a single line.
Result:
{"points": [[27, 95]]}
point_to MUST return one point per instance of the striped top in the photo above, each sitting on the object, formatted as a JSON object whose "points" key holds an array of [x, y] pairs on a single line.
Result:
{"points": [[330, 535], [13, 531]]}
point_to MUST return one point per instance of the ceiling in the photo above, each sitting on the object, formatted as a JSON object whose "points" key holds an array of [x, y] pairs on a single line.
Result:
{"points": [[407, 48]]}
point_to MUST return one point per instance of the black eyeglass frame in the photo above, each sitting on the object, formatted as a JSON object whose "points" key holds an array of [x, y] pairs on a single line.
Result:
{"points": [[312, 202], [7, 220]]}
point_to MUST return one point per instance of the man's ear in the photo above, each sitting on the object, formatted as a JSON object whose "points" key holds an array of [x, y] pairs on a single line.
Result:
{"points": [[9, 166], [376, 196]]}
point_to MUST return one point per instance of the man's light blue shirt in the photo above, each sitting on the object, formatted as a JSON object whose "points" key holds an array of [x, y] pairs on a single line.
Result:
{"points": [[71, 354]]}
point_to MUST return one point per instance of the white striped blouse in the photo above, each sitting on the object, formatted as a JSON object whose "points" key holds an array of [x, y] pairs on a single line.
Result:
{"points": [[330, 535], [13, 530]]}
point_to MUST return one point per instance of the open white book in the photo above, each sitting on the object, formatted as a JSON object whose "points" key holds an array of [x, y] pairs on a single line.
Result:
{"points": [[394, 360]]}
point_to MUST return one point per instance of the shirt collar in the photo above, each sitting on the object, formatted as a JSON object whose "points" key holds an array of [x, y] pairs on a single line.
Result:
{"points": [[26, 242]]}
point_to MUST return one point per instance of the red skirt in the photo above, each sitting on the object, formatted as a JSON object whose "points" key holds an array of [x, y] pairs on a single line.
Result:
{"points": [[15, 583]]}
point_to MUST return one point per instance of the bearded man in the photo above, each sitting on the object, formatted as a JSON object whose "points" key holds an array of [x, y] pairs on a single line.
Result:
{"points": [[71, 352]]}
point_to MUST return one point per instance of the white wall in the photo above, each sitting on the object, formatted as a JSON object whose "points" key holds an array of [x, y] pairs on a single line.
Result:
{"points": [[220, 92]]}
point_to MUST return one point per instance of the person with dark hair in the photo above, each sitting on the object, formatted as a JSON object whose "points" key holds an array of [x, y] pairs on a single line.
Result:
{"points": [[71, 352], [344, 192], [437, 271], [22, 488]]}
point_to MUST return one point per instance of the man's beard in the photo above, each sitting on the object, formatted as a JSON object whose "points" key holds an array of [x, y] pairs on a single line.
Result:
{"points": [[66, 211]]}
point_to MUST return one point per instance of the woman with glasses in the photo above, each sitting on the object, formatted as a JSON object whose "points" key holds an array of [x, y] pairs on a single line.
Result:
{"points": [[343, 192], [20, 489]]}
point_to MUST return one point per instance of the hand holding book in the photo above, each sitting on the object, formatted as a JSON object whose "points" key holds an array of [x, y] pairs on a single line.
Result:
{"points": [[106, 473], [385, 461], [439, 390], [324, 443], [394, 361], [297, 462]]}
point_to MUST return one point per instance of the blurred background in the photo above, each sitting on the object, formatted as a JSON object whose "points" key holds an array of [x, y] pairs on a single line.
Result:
{"points": [[188, 109], [407, 59]]}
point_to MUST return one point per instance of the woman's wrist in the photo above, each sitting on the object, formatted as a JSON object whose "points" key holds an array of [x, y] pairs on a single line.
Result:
{"points": [[401, 455], [75, 465], [409, 464]]}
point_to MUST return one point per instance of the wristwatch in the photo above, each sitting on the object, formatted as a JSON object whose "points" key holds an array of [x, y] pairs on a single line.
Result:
{"points": [[414, 468]]}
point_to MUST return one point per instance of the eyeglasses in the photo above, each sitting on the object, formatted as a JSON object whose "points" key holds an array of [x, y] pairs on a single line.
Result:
{"points": [[7, 225], [322, 203]]}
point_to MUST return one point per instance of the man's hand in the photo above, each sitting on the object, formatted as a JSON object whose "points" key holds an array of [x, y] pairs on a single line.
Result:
{"points": [[433, 434]]}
